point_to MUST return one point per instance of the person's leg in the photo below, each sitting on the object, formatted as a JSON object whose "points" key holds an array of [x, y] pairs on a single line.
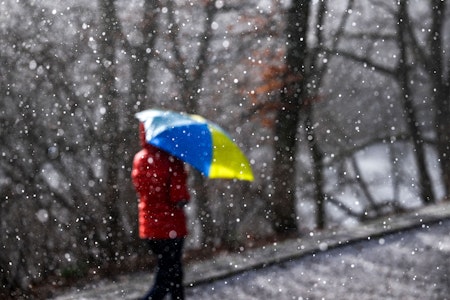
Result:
{"points": [[160, 287], [169, 274], [176, 269]]}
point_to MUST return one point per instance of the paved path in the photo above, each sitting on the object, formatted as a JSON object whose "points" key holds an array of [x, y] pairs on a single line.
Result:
{"points": [[413, 264], [319, 252]]}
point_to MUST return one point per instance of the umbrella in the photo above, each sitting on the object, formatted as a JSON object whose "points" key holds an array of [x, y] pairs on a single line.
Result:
{"points": [[197, 141]]}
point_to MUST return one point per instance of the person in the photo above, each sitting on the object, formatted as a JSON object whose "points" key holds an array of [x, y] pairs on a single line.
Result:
{"points": [[161, 183]]}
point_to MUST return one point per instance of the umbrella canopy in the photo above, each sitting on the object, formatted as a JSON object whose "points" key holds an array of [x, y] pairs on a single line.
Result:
{"points": [[197, 141]]}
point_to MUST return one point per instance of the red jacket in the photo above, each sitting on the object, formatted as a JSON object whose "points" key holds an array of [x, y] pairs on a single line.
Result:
{"points": [[160, 181]]}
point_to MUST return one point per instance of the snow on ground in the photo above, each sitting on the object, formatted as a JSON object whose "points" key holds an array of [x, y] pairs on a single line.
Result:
{"points": [[413, 264], [409, 265]]}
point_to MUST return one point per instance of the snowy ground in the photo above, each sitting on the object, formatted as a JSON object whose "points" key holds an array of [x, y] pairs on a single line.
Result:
{"points": [[409, 265], [412, 264]]}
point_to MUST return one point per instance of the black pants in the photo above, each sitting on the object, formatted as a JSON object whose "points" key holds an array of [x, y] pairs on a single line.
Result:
{"points": [[169, 273]]}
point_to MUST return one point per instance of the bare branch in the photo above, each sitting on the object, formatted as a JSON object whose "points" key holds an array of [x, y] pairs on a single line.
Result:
{"points": [[363, 60]]}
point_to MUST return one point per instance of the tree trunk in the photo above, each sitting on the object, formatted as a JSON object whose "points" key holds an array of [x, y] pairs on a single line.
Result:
{"points": [[442, 121], [112, 150], [317, 171], [440, 89], [283, 204], [139, 56], [424, 179], [204, 214]]}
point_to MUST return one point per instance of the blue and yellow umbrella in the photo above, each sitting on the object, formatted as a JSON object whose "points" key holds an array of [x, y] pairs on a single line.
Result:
{"points": [[196, 141]]}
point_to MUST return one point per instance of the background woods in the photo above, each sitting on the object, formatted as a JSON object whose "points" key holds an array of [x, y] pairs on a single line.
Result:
{"points": [[341, 107]]}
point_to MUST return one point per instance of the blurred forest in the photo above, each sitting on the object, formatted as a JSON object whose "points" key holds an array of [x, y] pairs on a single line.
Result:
{"points": [[342, 108]]}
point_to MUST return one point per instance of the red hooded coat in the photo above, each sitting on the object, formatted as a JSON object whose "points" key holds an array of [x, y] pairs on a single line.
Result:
{"points": [[160, 181]]}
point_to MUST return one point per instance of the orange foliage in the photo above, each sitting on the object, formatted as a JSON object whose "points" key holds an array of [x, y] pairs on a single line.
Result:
{"points": [[274, 79]]}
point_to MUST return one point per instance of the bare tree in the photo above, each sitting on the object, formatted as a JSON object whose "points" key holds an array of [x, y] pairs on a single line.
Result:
{"points": [[284, 216], [431, 54], [403, 73], [315, 75]]}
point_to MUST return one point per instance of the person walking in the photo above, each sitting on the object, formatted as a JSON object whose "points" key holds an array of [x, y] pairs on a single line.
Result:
{"points": [[161, 183]]}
